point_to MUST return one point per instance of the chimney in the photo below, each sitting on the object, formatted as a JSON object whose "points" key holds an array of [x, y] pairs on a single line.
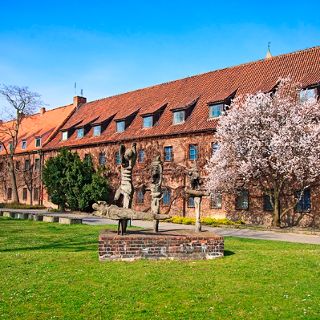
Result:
{"points": [[78, 101], [42, 110]]}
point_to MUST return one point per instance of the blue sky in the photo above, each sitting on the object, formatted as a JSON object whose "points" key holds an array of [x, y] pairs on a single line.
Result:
{"points": [[109, 47]]}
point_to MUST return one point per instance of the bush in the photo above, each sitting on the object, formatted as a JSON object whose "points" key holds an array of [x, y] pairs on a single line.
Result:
{"points": [[20, 206], [206, 221], [74, 183]]}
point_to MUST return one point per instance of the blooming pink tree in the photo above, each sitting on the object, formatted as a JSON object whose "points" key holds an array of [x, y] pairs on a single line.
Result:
{"points": [[270, 140]]}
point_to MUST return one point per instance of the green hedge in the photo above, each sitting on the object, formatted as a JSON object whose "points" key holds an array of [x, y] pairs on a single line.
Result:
{"points": [[206, 221], [20, 206]]}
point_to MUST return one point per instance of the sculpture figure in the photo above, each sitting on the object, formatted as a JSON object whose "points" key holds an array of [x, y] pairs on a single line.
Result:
{"points": [[128, 160], [196, 192], [155, 188]]}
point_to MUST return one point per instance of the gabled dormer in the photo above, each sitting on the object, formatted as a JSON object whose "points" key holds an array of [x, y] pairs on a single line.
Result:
{"points": [[182, 111]]}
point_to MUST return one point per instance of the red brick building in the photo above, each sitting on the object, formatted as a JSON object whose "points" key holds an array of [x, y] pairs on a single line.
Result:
{"points": [[177, 120]]}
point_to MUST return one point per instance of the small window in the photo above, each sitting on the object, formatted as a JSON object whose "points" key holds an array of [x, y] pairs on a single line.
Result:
{"points": [[80, 133], [216, 201], [38, 142], [191, 202], [121, 126], [10, 146], [140, 197], [242, 200], [117, 158], [27, 164], [307, 94], [193, 152], [96, 131], [87, 157], [24, 144], [178, 116], [36, 194], [102, 158], [304, 204], [148, 122], [214, 147], [9, 193], [37, 164], [215, 110], [141, 156], [17, 165], [168, 155], [24, 194], [1, 147], [166, 197], [65, 135], [267, 205]]}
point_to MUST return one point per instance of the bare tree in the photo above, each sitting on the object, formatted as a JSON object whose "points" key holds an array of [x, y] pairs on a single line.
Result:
{"points": [[21, 102]]}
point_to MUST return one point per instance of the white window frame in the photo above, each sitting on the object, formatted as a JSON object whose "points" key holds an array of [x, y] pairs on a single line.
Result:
{"points": [[64, 135], [121, 126], [179, 117], [148, 121], [97, 131]]}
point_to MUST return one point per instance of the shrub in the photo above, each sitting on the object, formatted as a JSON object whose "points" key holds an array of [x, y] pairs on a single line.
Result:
{"points": [[206, 221], [20, 206]]}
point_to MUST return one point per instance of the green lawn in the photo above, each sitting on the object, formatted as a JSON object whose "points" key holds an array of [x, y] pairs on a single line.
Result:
{"points": [[52, 271]]}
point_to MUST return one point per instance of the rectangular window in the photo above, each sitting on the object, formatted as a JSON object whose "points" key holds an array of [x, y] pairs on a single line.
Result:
{"points": [[87, 157], [9, 193], [168, 153], [117, 158], [148, 122], [1, 147], [193, 152], [27, 164], [166, 197], [191, 202], [17, 165], [307, 94], [96, 131], [267, 205], [24, 144], [36, 194], [38, 142], [242, 199], [37, 164], [10, 146], [216, 201], [121, 126], [214, 147], [102, 158], [140, 197], [141, 156], [178, 117], [65, 135], [215, 110], [304, 204], [24, 194], [80, 133]]}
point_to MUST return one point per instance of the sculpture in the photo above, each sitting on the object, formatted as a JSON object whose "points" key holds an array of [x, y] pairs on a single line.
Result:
{"points": [[196, 192], [128, 160], [155, 188]]}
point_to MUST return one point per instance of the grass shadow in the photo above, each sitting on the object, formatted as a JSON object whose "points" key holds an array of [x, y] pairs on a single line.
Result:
{"points": [[228, 253]]}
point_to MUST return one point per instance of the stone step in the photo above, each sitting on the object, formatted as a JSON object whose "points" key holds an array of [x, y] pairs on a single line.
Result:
{"points": [[68, 220], [50, 219]]}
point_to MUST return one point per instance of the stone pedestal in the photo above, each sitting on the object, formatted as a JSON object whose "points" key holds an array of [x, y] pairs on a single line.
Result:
{"points": [[174, 245]]}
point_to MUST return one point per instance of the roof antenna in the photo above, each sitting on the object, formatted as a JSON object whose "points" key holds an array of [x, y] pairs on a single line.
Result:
{"points": [[269, 55], [75, 88], [81, 93]]}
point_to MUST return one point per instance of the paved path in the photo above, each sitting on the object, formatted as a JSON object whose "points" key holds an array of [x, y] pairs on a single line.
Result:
{"points": [[241, 233]]}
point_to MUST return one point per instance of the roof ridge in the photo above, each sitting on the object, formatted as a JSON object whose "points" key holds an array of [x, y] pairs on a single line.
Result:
{"points": [[207, 72]]}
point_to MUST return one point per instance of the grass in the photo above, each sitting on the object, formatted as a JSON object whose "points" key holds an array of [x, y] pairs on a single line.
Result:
{"points": [[51, 271]]}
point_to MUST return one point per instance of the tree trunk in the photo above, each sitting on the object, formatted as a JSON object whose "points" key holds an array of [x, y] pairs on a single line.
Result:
{"points": [[15, 194], [276, 211]]}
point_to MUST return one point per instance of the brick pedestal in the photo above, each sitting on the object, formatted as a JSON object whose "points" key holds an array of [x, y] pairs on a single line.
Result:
{"points": [[182, 244]]}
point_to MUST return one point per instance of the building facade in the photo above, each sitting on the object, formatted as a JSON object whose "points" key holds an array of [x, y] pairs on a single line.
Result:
{"points": [[177, 120]]}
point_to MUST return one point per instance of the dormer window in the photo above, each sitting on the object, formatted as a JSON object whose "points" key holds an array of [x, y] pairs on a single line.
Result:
{"points": [[215, 110], [38, 142], [307, 94], [121, 126], [65, 135], [80, 133], [148, 122], [179, 116], [24, 144], [96, 131]]}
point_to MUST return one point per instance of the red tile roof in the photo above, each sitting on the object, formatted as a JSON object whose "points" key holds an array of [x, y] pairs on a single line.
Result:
{"points": [[38, 125], [303, 67]]}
